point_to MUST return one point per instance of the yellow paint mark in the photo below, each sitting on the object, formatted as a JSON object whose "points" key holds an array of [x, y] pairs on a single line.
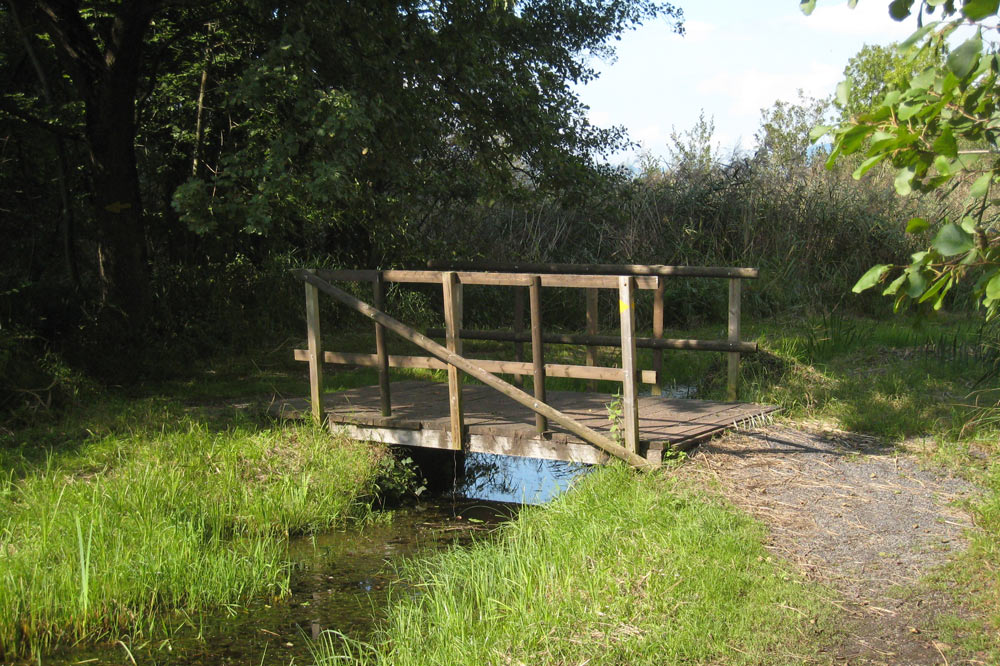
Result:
{"points": [[622, 306]]}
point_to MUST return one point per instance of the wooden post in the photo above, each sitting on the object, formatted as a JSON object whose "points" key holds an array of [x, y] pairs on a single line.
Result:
{"points": [[630, 402], [518, 329], [315, 352], [661, 285], [537, 351], [592, 330], [453, 341], [380, 349], [733, 374]]}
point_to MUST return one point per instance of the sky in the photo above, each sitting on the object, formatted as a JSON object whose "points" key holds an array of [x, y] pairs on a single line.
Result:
{"points": [[737, 57]]}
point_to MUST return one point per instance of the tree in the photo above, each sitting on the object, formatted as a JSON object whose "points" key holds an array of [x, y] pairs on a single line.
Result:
{"points": [[876, 69], [309, 120], [939, 130]]}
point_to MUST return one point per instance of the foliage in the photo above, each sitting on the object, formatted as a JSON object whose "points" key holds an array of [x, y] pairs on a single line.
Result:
{"points": [[877, 69], [938, 130], [331, 128]]}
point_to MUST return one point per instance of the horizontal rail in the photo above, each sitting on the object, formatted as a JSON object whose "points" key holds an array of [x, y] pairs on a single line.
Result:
{"points": [[496, 367], [601, 269], [474, 370], [480, 278], [604, 340]]}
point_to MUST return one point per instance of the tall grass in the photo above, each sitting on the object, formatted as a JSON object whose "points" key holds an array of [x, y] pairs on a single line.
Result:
{"points": [[623, 569], [160, 512]]}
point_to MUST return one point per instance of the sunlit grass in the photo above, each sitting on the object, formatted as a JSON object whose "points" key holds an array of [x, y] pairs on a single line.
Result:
{"points": [[623, 569], [148, 509]]}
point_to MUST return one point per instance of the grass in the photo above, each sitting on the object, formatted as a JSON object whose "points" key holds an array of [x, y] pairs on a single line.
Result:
{"points": [[919, 384], [117, 516], [624, 569]]}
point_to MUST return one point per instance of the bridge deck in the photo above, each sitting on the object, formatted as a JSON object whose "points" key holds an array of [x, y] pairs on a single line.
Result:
{"points": [[497, 424]]}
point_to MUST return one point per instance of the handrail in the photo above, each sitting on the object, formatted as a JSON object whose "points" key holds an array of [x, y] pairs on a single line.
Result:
{"points": [[467, 366], [601, 269]]}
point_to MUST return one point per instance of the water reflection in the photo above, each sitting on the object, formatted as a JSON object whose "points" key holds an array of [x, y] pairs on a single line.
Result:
{"points": [[499, 478]]}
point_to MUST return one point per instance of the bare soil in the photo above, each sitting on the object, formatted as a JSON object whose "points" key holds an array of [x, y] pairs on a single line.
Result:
{"points": [[867, 520]]}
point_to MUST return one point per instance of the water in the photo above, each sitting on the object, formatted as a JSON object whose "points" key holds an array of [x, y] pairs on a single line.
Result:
{"points": [[512, 479], [340, 580]]}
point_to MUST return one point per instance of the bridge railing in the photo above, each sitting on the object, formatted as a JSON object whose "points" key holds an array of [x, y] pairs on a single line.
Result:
{"points": [[527, 279]]}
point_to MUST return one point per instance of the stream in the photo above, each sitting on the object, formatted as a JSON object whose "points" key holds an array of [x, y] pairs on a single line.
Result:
{"points": [[340, 580]]}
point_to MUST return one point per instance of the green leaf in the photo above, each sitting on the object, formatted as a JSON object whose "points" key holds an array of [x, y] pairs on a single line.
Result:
{"points": [[918, 283], [917, 225], [844, 91], [909, 109], [993, 288], [981, 186], [976, 10], [963, 60], [900, 9], [818, 132], [938, 285], [807, 6], [924, 79], [916, 36], [895, 285], [891, 98], [867, 165], [945, 144], [904, 181], [943, 166], [854, 138], [952, 240], [969, 224], [871, 278]]}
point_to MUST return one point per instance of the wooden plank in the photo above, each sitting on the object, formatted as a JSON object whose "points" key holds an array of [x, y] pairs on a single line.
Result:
{"points": [[519, 329], [422, 341], [592, 301], [504, 279], [315, 352], [496, 367], [385, 399], [424, 406], [604, 340], [733, 360], [453, 324], [537, 350], [630, 405], [600, 269], [661, 285]]}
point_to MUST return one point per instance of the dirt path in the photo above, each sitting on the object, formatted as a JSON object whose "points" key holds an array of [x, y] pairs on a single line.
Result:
{"points": [[862, 518]]}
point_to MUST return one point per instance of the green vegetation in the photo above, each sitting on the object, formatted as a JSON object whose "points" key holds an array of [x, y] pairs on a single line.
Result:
{"points": [[115, 518], [936, 127], [626, 568]]}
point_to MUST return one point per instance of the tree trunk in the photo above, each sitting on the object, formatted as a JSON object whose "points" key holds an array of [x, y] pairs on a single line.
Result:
{"points": [[104, 62]]}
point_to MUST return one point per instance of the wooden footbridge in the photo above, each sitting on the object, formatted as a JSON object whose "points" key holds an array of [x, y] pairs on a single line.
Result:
{"points": [[499, 416]]}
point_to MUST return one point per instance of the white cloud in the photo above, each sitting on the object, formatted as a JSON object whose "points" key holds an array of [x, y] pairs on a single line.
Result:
{"points": [[651, 137], [868, 20], [698, 31], [751, 90], [600, 118]]}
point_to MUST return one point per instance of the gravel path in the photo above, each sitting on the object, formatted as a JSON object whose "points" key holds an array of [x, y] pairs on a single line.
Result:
{"points": [[862, 518]]}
